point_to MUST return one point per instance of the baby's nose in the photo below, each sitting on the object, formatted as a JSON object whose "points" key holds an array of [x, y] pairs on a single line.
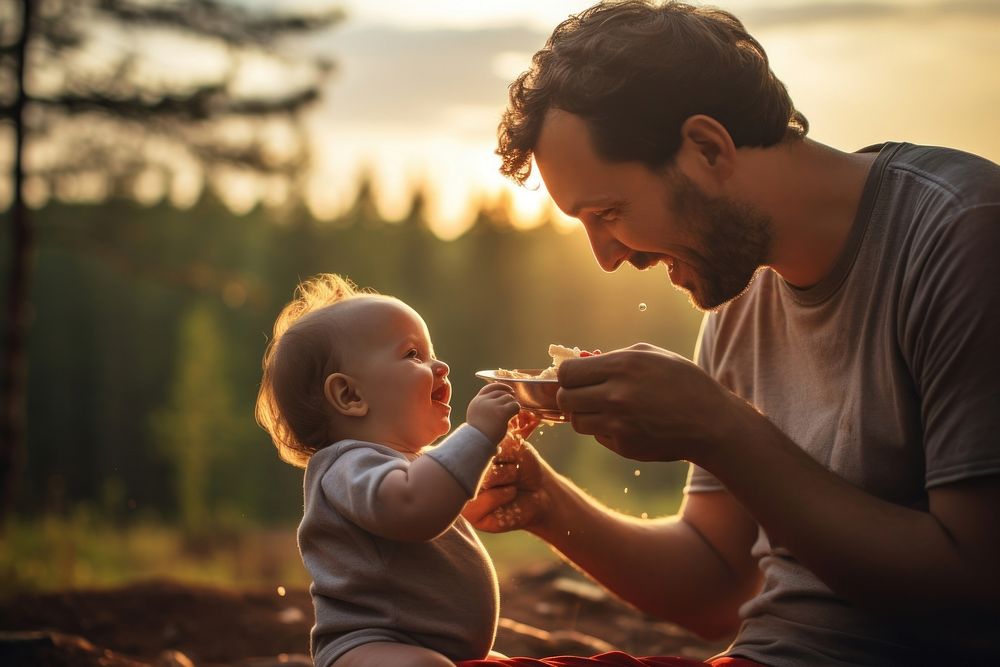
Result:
{"points": [[441, 368]]}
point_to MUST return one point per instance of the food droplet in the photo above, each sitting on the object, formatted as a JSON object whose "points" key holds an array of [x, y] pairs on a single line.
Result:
{"points": [[637, 472], [281, 591], [626, 489], [642, 306], [644, 515]]}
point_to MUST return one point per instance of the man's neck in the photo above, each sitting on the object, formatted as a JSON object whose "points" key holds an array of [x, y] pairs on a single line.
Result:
{"points": [[812, 193]]}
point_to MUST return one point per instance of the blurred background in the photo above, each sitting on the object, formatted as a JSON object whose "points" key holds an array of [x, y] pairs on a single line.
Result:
{"points": [[173, 169]]}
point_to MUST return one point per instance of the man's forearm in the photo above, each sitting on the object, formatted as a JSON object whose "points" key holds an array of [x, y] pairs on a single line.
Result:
{"points": [[873, 552], [663, 566]]}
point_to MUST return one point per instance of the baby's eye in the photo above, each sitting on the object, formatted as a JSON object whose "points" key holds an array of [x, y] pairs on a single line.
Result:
{"points": [[412, 353], [607, 214]]}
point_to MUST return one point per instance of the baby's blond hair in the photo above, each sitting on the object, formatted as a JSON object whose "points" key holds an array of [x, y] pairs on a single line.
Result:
{"points": [[303, 351]]}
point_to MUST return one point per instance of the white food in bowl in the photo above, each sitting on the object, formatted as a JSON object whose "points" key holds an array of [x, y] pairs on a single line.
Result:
{"points": [[559, 354]]}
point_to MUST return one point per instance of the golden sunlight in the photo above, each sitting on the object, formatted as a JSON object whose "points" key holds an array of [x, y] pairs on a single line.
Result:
{"points": [[915, 73], [417, 96]]}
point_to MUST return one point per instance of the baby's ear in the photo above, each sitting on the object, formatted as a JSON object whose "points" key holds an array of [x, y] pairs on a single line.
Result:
{"points": [[342, 395]]}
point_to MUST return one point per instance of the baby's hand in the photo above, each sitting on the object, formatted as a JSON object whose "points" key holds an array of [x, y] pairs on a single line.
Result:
{"points": [[491, 409]]}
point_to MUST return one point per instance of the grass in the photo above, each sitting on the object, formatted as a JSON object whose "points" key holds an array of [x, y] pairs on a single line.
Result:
{"points": [[87, 549]]}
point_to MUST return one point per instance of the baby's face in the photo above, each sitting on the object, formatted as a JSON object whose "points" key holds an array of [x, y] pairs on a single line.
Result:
{"points": [[406, 387]]}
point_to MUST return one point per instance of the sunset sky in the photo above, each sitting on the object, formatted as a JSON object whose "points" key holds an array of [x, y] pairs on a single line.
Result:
{"points": [[420, 87]]}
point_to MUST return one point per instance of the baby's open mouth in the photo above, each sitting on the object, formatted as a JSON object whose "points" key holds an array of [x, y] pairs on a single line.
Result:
{"points": [[441, 394]]}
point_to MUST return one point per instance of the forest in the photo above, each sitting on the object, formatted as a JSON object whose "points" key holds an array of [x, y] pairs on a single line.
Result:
{"points": [[134, 323], [148, 325]]}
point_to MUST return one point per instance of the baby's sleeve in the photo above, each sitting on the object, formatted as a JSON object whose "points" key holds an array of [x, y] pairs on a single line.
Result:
{"points": [[351, 484], [465, 454]]}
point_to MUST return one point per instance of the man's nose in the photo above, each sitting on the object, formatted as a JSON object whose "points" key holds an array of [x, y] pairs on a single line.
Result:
{"points": [[607, 250]]}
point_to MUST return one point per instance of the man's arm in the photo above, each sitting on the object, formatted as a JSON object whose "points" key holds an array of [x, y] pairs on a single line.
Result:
{"points": [[878, 554], [647, 404], [694, 569]]}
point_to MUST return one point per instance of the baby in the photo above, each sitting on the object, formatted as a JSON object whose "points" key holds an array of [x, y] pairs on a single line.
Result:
{"points": [[353, 392]]}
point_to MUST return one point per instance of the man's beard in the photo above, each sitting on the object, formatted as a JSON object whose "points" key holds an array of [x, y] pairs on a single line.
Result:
{"points": [[733, 242]]}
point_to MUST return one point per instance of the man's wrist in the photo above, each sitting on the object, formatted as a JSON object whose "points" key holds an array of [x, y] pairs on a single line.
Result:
{"points": [[730, 434], [561, 497]]}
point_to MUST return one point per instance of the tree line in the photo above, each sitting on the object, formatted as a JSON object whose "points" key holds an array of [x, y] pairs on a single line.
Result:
{"points": [[149, 324]]}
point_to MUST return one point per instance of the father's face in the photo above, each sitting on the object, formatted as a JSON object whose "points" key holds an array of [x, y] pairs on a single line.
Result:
{"points": [[711, 246]]}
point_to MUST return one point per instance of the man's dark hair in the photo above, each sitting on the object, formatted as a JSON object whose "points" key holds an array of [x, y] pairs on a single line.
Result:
{"points": [[635, 70]]}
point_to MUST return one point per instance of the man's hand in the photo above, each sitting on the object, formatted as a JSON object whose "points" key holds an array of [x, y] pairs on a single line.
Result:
{"points": [[511, 496], [647, 404]]}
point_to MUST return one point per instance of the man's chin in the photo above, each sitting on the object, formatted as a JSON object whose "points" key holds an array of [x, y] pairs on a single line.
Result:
{"points": [[716, 299], [696, 299], [682, 277], [685, 280]]}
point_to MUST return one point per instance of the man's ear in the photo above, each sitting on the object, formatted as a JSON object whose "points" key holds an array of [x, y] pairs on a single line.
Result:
{"points": [[342, 394], [707, 153]]}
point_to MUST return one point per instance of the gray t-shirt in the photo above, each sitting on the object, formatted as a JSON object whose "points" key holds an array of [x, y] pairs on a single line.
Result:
{"points": [[887, 372], [441, 594]]}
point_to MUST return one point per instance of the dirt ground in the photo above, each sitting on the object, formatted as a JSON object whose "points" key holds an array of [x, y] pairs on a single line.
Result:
{"points": [[551, 611]]}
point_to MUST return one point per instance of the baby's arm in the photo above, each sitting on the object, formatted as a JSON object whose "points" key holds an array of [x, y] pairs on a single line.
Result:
{"points": [[420, 501]]}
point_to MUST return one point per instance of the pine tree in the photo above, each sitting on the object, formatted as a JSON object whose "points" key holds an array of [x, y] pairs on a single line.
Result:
{"points": [[75, 77], [197, 428]]}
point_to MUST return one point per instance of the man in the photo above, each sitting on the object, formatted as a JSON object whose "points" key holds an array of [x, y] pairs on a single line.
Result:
{"points": [[843, 416]]}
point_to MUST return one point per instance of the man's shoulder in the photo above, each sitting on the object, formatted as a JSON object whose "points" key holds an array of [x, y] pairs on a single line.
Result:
{"points": [[966, 179]]}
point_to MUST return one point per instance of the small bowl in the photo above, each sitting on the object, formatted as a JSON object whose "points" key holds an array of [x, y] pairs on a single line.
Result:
{"points": [[534, 394]]}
